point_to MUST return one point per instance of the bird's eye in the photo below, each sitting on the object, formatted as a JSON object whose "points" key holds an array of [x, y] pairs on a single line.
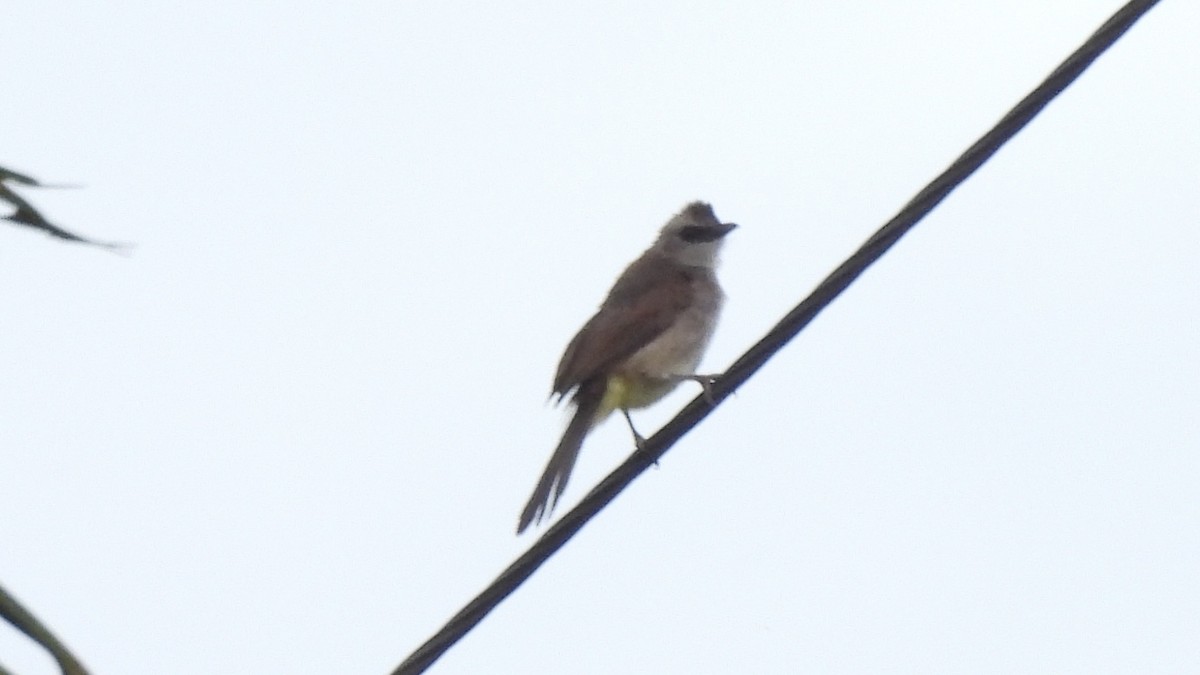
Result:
{"points": [[695, 234]]}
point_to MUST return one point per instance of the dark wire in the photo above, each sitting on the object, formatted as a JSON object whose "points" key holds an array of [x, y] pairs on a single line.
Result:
{"points": [[23, 620], [781, 334]]}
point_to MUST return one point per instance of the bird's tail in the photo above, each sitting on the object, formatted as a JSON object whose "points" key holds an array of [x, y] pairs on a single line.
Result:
{"points": [[550, 486]]}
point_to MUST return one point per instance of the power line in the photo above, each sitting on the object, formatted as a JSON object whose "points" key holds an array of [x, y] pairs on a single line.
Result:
{"points": [[783, 332], [23, 620]]}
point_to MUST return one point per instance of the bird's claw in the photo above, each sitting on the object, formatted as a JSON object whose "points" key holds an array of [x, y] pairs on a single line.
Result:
{"points": [[706, 383]]}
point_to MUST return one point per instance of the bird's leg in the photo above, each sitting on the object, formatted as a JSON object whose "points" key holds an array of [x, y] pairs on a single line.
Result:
{"points": [[638, 439]]}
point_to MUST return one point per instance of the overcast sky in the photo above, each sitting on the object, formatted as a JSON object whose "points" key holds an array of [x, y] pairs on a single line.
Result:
{"points": [[293, 431]]}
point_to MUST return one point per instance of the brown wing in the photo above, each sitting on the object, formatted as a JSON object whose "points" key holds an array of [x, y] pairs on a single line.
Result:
{"points": [[644, 302]]}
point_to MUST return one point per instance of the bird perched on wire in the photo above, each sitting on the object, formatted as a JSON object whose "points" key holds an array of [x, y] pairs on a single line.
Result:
{"points": [[648, 335], [27, 215]]}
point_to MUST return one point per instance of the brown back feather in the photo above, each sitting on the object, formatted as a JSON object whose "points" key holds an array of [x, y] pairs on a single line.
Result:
{"points": [[644, 302]]}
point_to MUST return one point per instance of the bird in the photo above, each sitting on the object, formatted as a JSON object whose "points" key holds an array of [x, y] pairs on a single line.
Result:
{"points": [[648, 336], [27, 215]]}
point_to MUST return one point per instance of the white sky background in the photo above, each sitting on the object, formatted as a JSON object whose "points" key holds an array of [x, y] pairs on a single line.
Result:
{"points": [[292, 433]]}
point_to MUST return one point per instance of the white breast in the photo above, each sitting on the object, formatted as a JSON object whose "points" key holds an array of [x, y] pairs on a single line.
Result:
{"points": [[679, 349]]}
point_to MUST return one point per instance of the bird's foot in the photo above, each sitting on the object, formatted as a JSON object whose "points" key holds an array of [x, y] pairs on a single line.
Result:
{"points": [[706, 383], [638, 439]]}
